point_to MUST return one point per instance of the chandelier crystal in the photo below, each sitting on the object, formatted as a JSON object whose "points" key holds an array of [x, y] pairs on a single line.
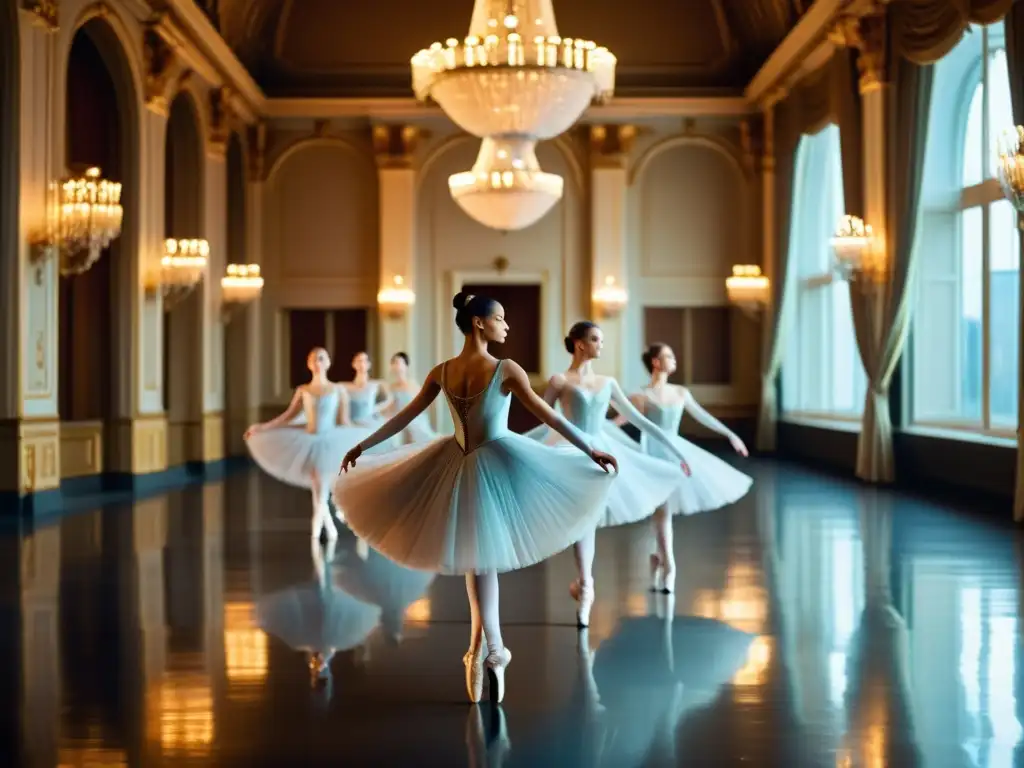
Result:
{"points": [[88, 219], [513, 81], [1011, 166], [241, 283], [182, 268]]}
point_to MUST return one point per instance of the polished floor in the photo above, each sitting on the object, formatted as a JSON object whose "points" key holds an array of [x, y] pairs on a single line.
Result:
{"points": [[874, 630]]}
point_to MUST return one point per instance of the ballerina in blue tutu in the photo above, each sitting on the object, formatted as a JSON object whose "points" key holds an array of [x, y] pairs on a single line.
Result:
{"points": [[369, 399], [483, 501], [644, 482], [303, 446], [403, 389]]}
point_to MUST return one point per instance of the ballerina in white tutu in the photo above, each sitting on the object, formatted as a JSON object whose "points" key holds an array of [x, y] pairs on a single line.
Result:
{"points": [[644, 482], [305, 452], [480, 502], [712, 483], [403, 389]]}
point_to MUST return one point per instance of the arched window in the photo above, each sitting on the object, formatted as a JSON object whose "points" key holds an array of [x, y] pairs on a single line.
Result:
{"points": [[964, 342], [822, 375]]}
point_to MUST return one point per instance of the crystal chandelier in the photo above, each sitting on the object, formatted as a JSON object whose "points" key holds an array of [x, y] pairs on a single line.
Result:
{"points": [[182, 268], [515, 81], [241, 285], [88, 218], [852, 245], [1011, 167]]}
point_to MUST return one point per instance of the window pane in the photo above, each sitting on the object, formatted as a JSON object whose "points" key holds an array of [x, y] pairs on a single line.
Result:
{"points": [[1004, 313], [970, 315], [972, 146]]}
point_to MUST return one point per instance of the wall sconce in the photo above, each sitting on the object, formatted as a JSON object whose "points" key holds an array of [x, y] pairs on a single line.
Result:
{"points": [[610, 299], [395, 300], [182, 268], [748, 289], [84, 215], [853, 243], [240, 285]]}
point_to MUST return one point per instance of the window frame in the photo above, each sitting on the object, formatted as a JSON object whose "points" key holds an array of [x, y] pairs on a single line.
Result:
{"points": [[979, 196]]}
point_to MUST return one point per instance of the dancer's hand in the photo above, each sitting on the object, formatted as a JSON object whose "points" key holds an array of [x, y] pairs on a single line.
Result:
{"points": [[686, 468], [252, 430], [350, 458], [605, 460], [738, 446]]}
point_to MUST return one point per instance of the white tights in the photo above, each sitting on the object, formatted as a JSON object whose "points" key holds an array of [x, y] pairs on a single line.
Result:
{"points": [[584, 550], [482, 590], [322, 521], [663, 536]]}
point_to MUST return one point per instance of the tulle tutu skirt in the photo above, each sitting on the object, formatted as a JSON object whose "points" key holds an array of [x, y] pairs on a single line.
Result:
{"points": [[508, 504], [644, 482], [316, 619], [293, 455], [712, 483]]}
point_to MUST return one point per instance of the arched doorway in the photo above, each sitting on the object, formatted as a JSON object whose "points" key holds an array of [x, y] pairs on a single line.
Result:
{"points": [[93, 386], [10, 95], [183, 320], [237, 340]]}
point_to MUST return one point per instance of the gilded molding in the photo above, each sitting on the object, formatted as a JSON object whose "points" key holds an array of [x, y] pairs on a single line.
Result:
{"points": [[612, 140], [256, 148], [46, 12], [394, 144], [221, 120], [159, 60], [868, 36]]}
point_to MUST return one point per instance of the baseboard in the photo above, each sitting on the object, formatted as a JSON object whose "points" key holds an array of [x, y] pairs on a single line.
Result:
{"points": [[34, 510]]}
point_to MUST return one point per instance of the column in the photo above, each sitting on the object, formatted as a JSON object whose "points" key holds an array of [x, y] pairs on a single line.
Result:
{"points": [[394, 146], [609, 150], [29, 421], [874, 93]]}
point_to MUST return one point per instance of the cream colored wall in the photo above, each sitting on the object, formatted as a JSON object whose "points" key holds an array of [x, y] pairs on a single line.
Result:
{"points": [[691, 208]]}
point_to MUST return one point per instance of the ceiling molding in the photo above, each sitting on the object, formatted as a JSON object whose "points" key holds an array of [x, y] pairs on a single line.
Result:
{"points": [[396, 109], [789, 55]]}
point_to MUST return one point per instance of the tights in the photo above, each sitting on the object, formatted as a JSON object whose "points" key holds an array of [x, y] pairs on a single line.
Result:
{"points": [[482, 590], [321, 512], [584, 550], [663, 535]]}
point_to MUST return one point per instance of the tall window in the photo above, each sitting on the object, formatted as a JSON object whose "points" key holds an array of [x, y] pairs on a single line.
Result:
{"points": [[822, 374], [964, 343]]}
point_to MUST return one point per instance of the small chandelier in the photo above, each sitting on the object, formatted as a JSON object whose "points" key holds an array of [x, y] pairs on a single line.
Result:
{"points": [[182, 268], [395, 300], [610, 298], [86, 217], [747, 288], [1011, 166], [852, 243], [240, 285]]}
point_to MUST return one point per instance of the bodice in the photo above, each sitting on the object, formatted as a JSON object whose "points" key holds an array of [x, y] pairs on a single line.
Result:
{"points": [[586, 409], [402, 398], [667, 416], [362, 401], [479, 418], [321, 410]]}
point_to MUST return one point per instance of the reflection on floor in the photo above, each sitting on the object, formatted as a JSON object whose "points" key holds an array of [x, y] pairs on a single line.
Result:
{"points": [[204, 627]]}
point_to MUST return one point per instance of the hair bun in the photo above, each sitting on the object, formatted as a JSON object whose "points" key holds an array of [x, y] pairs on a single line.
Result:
{"points": [[461, 300]]}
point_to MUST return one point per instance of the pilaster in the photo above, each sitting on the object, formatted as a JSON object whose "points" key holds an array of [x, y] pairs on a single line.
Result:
{"points": [[394, 146], [609, 151]]}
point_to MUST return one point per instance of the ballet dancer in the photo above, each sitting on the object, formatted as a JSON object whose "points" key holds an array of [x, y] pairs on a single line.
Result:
{"points": [[644, 482], [403, 389], [712, 483], [369, 398], [483, 501], [305, 452]]}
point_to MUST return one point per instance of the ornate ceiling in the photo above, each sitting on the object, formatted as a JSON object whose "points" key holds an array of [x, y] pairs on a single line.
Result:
{"points": [[664, 47]]}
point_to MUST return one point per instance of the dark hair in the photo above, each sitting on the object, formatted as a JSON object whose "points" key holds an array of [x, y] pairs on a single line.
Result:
{"points": [[652, 352], [401, 356], [467, 306], [578, 332]]}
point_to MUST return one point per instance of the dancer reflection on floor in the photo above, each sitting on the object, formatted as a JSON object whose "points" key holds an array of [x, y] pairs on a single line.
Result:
{"points": [[644, 482], [403, 389], [302, 446], [712, 483], [483, 501]]}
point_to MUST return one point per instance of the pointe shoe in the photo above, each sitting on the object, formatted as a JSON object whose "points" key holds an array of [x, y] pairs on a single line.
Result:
{"points": [[495, 663], [584, 595], [474, 664], [663, 578]]}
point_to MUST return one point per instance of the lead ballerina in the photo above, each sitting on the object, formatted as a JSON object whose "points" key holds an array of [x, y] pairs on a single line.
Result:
{"points": [[644, 482], [712, 483], [483, 501]]}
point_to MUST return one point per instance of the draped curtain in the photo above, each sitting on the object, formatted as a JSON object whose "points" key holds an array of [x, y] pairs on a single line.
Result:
{"points": [[1015, 63]]}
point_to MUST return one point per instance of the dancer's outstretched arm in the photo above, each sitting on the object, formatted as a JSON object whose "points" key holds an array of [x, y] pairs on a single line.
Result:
{"points": [[691, 406], [518, 383], [293, 409], [645, 425]]}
